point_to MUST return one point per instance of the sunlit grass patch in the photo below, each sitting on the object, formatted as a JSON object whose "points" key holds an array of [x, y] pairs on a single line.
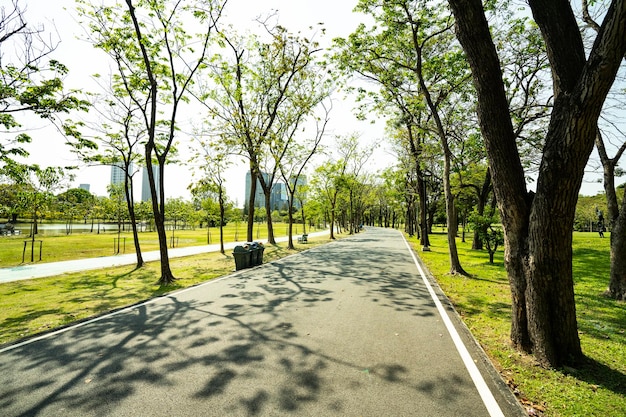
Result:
{"points": [[483, 301]]}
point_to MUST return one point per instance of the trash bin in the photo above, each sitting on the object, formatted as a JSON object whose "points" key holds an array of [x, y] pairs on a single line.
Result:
{"points": [[260, 254], [256, 250], [242, 257]]}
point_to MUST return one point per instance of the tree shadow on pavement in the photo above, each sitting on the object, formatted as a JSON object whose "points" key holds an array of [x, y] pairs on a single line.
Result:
{"points": [[239, 346]]}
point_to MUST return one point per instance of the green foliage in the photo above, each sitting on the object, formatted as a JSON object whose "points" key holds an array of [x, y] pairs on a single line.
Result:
{"points": [[30, 82], [493, 237], [178, 210], [586, 211], [75, 203]]}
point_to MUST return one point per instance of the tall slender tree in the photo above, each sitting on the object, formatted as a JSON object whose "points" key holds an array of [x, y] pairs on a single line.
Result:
{"points": [[157, 61], [292, 164], [120, 137], [213, 183], [413, 51], [616, 212], [265, 90]]}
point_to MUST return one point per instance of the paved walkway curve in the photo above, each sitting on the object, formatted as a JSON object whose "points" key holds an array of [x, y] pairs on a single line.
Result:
{"points": [[345, 329]]}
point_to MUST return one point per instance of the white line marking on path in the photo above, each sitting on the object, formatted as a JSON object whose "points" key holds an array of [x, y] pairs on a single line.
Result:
{"points": [[483, 390]]}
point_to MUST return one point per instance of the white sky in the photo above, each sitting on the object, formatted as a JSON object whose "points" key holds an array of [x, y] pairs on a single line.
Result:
{"points": [[83, 61]]}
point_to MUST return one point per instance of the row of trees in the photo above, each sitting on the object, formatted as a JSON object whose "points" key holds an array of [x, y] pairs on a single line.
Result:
{"points": [[487, 86], [479, 99], [27, 203]]}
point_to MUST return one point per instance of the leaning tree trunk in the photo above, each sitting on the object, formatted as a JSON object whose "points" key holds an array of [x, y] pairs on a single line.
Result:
{"points": [[540, 258]]}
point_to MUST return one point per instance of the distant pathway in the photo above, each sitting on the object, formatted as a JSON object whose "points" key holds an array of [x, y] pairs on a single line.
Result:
{"points": [[40, 270], [351, 328]]}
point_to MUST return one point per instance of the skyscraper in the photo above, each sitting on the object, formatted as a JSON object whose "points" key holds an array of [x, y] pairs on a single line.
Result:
{"points": [[300, 183], [118, 174], [278, 197], [259, 197], [145, 183]]}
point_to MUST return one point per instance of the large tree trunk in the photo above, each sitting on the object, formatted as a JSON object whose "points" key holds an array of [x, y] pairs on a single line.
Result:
{"points": [[538, 233]]}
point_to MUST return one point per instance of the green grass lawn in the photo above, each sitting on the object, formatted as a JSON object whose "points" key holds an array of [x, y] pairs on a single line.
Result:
{"points": [[92, 245], [483, 300], [34, 306]]}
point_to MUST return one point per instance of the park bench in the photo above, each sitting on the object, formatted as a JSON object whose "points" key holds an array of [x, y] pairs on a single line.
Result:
{"points": [[303, 238]]}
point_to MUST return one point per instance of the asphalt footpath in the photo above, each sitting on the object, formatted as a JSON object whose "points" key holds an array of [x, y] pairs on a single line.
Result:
{"points": [[352, 328]]}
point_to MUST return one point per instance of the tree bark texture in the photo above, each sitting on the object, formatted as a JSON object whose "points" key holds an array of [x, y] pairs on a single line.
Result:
{"points": [[538, 230]]}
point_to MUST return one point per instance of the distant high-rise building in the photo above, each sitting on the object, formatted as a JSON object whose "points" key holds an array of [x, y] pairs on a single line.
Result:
{"points": [[84, 187], [145, 183], [301, 182], [259, 197], [117, 173], [278, 195], [278, 198]]}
